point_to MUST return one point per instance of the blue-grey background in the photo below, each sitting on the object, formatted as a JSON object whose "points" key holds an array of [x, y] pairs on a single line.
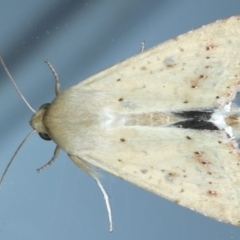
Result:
{"points": [[81, 38]]}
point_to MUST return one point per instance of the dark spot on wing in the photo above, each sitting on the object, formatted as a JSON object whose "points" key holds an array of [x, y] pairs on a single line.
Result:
{"points": [[144, 171], [212, 193]]}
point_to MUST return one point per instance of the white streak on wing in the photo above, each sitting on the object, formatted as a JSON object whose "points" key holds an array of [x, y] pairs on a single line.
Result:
{"points": [[218, 119], [110, 119]]}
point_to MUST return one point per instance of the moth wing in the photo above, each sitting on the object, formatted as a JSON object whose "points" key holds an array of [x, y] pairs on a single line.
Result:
{"points": [[205, 60], [197, 169]]}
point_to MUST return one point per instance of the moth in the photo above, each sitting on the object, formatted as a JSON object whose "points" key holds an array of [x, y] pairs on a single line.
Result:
{"points": [[163, 120]]}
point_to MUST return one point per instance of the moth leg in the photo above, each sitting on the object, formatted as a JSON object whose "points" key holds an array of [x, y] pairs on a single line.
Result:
{"points": [[56, 152], [87, 168]]}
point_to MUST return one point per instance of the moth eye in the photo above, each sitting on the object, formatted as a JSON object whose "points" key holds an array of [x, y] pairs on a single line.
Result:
{"points": [[44, 106], [44, 136]]}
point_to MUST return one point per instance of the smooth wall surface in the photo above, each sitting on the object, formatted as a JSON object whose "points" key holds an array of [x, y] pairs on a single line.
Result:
{"points": [[80, 38]]}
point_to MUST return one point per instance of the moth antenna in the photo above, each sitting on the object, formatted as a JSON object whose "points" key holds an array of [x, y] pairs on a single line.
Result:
{"points": [[56, 152], [106, 198], [57, 85], [15, 85], [10, 162], [142, 46]]}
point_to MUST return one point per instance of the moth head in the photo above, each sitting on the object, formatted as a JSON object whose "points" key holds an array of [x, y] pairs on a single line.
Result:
{"points": [[37, 122]]}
